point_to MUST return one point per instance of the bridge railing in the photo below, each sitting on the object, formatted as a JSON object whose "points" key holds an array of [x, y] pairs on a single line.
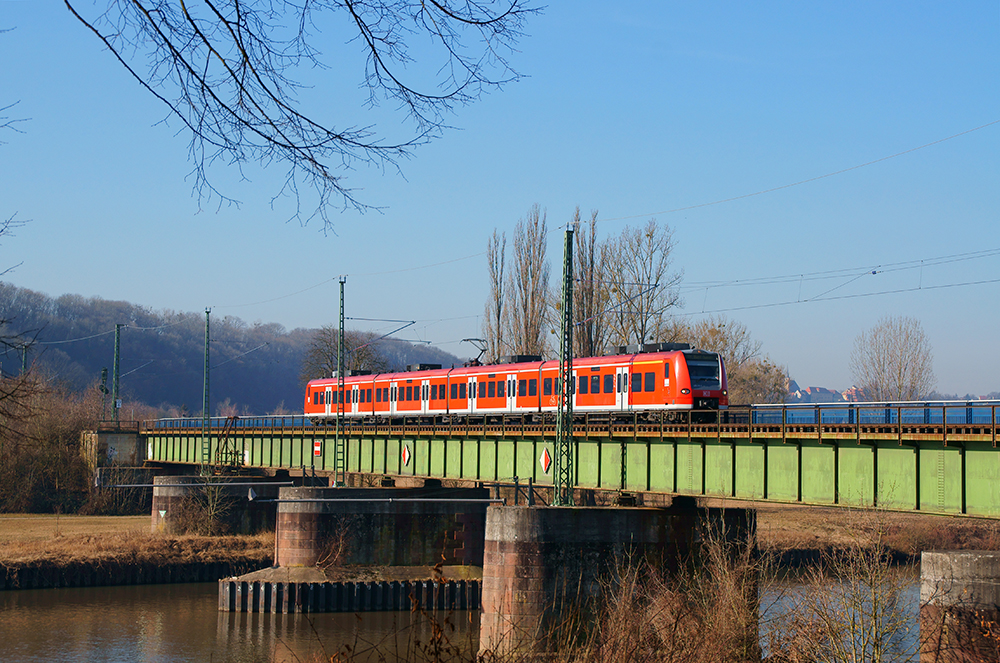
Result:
{"points": [[907, 413], [275, 421]]}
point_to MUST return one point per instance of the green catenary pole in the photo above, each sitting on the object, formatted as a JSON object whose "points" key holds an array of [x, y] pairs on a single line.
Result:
{"points": [[563, 461], [206, 441], [340, 453], [115, 405]]}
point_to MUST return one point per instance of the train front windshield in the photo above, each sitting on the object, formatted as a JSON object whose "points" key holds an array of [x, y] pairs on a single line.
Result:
{"points": [[703, 367]]}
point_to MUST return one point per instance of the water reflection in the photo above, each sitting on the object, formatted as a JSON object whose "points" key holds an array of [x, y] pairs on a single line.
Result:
{"points": [[171, 623]]}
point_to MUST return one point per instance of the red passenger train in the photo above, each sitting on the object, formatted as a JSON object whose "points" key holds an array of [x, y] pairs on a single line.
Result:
{"points": [[672, 378]]}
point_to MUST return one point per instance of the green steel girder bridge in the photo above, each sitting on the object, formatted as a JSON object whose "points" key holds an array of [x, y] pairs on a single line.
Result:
{"points": [[935, 458]]}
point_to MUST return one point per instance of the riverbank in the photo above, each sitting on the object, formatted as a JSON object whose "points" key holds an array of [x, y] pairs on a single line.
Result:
{"points": [[84, 551], [72, 551]]}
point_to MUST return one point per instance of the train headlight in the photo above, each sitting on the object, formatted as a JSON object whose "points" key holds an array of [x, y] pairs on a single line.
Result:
{"points": [[725, 393], [685, 391]]}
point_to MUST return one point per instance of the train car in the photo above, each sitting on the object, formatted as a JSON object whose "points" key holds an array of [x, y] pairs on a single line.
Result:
{"points": [[671, 377]]}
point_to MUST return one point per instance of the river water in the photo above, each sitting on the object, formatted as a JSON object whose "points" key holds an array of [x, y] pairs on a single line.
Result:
{"points": [[179, 623]]}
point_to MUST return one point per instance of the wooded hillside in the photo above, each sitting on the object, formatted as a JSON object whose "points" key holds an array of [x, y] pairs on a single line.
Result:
{"points": [[255, 368]]}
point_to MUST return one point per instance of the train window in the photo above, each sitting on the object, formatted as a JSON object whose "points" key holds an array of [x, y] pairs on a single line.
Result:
{"points": [[650, 380], [583, 384], [491, 389], [501, 393], [547, 387], [595, 384], [636, 382], [409, 393], [533, 387], [482, 390], [522, 387], [378, 395], [454, 392], [461, 391], [609, 383]]}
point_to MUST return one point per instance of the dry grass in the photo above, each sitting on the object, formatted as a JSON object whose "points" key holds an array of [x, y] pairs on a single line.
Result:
{"points": [[783, 527], [32, 540]]}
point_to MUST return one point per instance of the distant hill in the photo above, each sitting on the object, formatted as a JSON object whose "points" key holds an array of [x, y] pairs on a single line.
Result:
{"points": [[254, 367]]}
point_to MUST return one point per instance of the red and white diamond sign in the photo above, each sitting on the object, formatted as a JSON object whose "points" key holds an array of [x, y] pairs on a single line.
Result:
{"points": [[545, 460], [406, 454]]}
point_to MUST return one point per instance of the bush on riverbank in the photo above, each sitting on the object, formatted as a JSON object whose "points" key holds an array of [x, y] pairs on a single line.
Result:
{"points": [[43, 470]]}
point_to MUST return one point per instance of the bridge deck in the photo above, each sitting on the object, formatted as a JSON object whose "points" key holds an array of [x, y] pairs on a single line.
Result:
{"points": [[950, 467]]}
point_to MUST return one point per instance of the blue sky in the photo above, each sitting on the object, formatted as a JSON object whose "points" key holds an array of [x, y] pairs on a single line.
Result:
{"points": [[635, 109]]}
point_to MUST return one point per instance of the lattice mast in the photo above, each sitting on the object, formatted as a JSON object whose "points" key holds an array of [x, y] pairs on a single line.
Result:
{"points": [[563, 463], [339, 452], [206, 440]]}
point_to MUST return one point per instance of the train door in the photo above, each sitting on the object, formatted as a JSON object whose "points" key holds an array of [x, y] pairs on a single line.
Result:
{"points": [[392, 397], [621, 388], [425, 393], [472, 394], [511, 393], [328, 400], [353, 405]]}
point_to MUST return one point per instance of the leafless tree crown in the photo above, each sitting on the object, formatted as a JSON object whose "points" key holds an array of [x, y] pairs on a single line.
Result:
{"points": [[893, 361], [225, 69], [590, 296], [752, 378], [493, 321], [528, 289], [362, 353], [642, 288]]}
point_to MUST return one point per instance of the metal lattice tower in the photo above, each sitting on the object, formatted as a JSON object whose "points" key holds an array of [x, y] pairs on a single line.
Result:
{"points": [[563, 462], [206, 438], [340, 453], [114, 382]]}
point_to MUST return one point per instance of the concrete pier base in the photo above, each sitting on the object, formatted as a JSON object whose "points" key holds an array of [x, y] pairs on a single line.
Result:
{"points": [[959, 606], [182, 502], [542, 564], [381, 526]]}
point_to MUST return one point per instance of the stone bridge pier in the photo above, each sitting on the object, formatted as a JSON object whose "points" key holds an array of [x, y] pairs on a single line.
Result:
{"points": [[541, 563]]}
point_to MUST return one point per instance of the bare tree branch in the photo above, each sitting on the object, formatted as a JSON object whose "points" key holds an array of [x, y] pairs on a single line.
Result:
{"points": [[528, 287], [225, 68]]}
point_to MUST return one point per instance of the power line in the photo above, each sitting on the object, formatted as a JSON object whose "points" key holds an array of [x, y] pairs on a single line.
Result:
{"points": [[859, 295], [800, 182]]}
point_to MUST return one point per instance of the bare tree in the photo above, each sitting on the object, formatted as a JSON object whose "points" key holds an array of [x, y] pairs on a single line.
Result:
{"points": [[493, 327], [525, 317], [590, 293], [752, 378], [642, 286], [729, 338], [226, 69], [361, 353], [893, 361], [7, 122]]}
